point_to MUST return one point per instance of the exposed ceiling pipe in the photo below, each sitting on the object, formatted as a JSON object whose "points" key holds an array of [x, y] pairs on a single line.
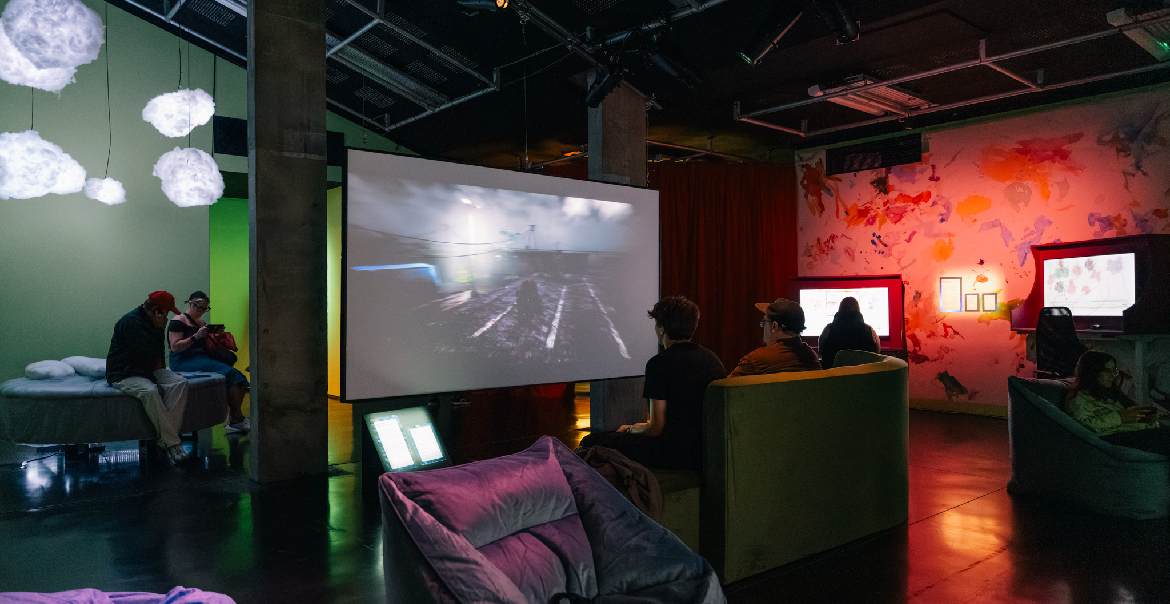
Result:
{"points": [[236, 6], [187, 30], [957, 66], [173, 10], [357, 34], [976, 101], [839, 18], [695, 7], [451, 103]]}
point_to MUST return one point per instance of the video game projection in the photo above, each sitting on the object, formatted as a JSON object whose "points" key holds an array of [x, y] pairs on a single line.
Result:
{"points": [[462, 277]]}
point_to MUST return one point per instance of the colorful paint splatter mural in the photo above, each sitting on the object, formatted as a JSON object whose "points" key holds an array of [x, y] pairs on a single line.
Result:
{"points": [[972, 208]]}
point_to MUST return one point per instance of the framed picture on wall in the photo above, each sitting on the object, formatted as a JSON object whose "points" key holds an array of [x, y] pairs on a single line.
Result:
{"points": [[990, 302], [950, 294], [971, 302]]}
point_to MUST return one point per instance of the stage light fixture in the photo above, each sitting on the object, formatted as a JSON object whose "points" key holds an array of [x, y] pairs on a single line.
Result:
{"points": [[840, 19], [874, 101], [474, 6], [177, 113], [189, 177], [42, 42], [608, 78], [1153, 37], [660, 55], [778, 23], [31, 167], [105, 190]]}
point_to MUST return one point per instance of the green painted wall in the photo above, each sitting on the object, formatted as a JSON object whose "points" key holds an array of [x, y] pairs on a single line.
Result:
{"points": [[71, 266], [228, 236]]}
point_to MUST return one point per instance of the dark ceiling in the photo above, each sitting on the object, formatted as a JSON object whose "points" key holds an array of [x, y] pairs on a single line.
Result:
{"points": [[421, 56]]}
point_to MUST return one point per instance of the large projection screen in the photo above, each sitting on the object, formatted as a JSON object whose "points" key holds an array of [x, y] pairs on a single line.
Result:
{"points": [[461, 277]]}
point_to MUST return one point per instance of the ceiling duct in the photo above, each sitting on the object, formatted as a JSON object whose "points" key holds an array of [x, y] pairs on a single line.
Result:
{"points": [[1154, 37], [874, 101], [776, 26]]}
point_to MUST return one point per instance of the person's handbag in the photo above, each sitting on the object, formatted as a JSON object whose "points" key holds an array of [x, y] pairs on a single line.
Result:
{"points": [[221, 346]]}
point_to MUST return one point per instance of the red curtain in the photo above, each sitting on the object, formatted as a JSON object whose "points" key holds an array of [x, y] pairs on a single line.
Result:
{"points": [[728, 241]]}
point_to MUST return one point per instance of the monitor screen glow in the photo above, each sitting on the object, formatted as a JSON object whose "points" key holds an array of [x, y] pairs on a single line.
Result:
{"points": [[820, 305], [1091, 286], [406, 439]]}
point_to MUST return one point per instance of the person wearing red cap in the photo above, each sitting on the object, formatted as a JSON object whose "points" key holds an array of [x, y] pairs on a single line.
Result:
{"points": [[135, 366]]}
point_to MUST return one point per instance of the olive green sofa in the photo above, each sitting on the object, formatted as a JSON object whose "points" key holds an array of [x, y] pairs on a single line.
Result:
{"points": [[796, 464]]}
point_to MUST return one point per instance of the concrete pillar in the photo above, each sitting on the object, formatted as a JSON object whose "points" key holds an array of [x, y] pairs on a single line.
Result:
{"points": [[617, 154], [617, 138], [287, 238]]}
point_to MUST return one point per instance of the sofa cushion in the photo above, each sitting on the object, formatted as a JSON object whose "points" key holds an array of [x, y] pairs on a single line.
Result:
{"points": [[511, 493], [47, 370], [534, 558], [1053, 391], [89, 367]]}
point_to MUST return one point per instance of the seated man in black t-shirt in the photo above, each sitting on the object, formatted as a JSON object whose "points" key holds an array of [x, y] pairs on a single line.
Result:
{"points": [[676, 381]]}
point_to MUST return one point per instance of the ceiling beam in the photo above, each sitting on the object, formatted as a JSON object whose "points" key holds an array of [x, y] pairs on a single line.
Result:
{"points": [[695, 7], [187, 30], [172, 10], [357, 34], [237, 6], [406, 34], [982, 60], [432, 110]]}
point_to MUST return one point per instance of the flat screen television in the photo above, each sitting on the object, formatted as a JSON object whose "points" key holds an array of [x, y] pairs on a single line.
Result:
{"points": [[880, 298], [462, 277], [406, 440], [1117, 284]]}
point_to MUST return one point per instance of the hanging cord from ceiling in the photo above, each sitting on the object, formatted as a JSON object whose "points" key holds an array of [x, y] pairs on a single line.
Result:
{"points": [[109, 110], [191, 96], [539, 71], [32, 108], [524, 38]]}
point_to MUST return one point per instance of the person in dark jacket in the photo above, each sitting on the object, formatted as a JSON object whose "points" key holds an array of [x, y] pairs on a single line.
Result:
{"points": [[676, 383], [848, 331], [135, 366]]}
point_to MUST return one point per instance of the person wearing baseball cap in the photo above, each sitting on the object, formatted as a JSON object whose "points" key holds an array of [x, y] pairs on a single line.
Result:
{"points": [[783, 349], [135, 366]]}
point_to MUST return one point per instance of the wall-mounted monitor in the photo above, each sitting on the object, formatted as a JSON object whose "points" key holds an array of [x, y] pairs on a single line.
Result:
{"points": [[1103, 285], [880, 298], [1116, 284], [462, 277], [406, 440]]}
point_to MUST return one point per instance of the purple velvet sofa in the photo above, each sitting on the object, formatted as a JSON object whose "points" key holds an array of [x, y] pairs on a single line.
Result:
{"points": [[178, 595], [524, 527]]}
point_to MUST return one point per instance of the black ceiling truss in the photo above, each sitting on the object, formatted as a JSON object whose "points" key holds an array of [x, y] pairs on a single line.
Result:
{"points": [[381, 69]]}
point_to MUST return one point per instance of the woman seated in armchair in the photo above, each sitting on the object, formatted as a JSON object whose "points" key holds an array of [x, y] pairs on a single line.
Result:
{"points": [[1097, 402], [187, 335]]}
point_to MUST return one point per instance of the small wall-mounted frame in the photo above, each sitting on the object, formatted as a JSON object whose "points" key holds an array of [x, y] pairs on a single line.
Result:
{"points": [[971, 302], [950, 294], [990, 302]]}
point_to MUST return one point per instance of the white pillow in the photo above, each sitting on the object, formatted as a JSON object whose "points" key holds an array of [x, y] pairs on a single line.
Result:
{"points": [[44, 370], [89, 367]]}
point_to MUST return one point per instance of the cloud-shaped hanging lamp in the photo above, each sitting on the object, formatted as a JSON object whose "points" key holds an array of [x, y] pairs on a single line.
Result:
{"points": [[42, 42], [177, 113], [31, 166], [189, 177], [105, 190]]}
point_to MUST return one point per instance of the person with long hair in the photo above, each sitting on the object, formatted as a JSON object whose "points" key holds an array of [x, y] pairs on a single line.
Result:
{"points": [[187, 335], [848, 331], [1097, 402]]}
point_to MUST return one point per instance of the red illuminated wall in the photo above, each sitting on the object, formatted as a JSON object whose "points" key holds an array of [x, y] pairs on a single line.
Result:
{"points": [[972, 208]]}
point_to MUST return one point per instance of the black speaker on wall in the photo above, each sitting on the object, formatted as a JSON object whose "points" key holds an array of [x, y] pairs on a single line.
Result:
{"points": [[875, 154]]}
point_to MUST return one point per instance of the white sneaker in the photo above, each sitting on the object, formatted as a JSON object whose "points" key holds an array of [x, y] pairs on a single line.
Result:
{"points": [[177, 454], [243, 425]]}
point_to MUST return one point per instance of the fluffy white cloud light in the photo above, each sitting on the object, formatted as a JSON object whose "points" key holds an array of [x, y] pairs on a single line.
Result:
{"points": [[105, 190], [31, 166], [189, 177], [42, 42], [178, 113]]}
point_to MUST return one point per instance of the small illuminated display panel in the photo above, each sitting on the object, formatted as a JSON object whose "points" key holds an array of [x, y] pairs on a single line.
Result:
{"points": [[406, 440], [1097, 286]]}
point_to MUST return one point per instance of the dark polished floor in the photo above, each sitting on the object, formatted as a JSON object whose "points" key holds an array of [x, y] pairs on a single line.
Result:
{"points": [[117, 524]]}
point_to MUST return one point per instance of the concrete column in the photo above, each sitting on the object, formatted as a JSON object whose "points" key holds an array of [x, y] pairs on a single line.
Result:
{"points": [[617, 154], [287, 238], [617, 138]]}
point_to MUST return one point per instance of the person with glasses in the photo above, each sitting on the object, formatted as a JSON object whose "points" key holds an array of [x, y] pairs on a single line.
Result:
{"points": [[135, 365], [188, 335], [676, 382], [783, 350], [1097, 402]]}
